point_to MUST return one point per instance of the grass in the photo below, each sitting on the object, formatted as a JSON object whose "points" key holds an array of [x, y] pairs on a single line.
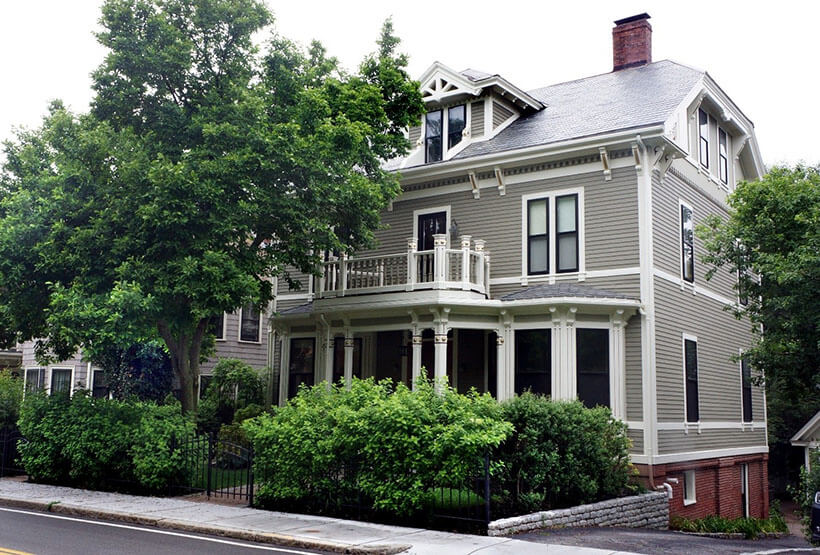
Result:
{"points": [[452, 498]]}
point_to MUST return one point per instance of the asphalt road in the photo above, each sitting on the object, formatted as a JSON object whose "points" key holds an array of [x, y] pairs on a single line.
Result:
{"points": [[666, 542], [30, 532]]}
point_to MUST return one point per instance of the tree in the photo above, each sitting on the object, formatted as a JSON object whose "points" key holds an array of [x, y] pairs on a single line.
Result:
{"points": [[772, 239], [204, 169]]}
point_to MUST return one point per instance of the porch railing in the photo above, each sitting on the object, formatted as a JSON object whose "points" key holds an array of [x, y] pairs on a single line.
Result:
{"points": [[466, 269]]}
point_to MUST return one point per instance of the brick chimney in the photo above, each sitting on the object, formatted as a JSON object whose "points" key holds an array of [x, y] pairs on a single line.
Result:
{"points": [[631, 42]]}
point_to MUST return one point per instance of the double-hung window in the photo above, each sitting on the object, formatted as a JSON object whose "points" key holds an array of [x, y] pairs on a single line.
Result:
{"points": [[703, 132], [687, 237], [249, 327], [690, 363], [553, 233], [60, 380], [217, 326], [592, 366], [746, 389], [723, 156], [35, 379], [447, 123]]}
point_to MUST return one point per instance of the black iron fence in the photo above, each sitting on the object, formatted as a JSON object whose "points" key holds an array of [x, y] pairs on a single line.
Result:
{"points": [[10, 464], [215, 467]]}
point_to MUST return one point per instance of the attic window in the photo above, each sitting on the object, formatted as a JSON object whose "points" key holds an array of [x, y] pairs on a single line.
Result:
{"points": [[438, 125]]}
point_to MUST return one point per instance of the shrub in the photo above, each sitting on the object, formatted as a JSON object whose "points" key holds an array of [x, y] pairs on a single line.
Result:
{"points": [[803, 494], [394, 445], [561, 454], [94, 443], [751, 528], [11, 395], [235, 385]]}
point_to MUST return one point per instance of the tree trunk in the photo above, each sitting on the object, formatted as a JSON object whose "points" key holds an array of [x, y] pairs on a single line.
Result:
{"points": [[185, 351]]}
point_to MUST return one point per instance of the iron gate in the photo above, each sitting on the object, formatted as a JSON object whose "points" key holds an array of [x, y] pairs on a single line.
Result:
{"points": [[216, 467], [9, 454]]}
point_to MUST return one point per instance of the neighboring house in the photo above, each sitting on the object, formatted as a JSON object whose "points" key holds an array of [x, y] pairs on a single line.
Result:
{"points": [[545, 240], [241, 335], [11, 358], [808, 438]]}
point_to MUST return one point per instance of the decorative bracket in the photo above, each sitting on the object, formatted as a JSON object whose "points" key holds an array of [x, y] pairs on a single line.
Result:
{"points": [[474, 184], [499, 178], [636, 154], [605, 163]]}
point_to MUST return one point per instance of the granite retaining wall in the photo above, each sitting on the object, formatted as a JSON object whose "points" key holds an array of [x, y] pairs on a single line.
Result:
{"points": [[648, 510]]}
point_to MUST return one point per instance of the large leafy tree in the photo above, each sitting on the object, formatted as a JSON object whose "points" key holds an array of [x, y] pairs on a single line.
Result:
{"points": [[205, 168], [772, 238]]}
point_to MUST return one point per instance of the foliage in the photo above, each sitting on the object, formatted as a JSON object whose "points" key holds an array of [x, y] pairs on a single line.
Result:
{"points": [[751, 527], [804, 492], [97, 443], [561, 454], [399, 445], [773, 232], [11, 395], [234, 386], [203, 169], [142, 371]]}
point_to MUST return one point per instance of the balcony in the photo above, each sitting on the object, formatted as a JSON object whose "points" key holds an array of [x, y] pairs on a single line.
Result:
{"points": [[463, 269]]}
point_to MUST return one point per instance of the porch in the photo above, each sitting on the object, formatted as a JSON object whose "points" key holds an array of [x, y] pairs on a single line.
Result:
{"points": [[564, 341], [464, 269]]}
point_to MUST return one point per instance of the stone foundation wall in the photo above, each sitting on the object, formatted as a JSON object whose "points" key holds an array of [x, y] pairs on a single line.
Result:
{"points": [[648, 510]]}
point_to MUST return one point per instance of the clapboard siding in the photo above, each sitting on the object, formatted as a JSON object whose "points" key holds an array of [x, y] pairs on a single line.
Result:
{"points": [[636, 437], [666, 198], [500, 114], [611, 220], [477, 119], [414, 135], [678, 441], [633, 371], [76, 363], [720, 337], [626, 285], [255, 354]]}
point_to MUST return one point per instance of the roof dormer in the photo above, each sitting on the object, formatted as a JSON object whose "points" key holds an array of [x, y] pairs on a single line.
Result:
{"points": [[462, 108]]}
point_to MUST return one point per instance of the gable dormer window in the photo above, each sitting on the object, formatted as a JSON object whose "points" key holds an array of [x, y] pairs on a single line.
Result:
{"points": [[448, 122], [703, 132], [723, 156]]}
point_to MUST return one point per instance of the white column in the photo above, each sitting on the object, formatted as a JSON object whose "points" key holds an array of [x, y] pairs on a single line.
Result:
{"points": [[479, 265], [500, 366], [556, 360], [412, 267], [465, 262], [405, 339], [328, 343], [617, 364], [349, 345], [440, 356], [505, 344], [416, 363], [439, 260], [284, 369], [570, 360]]}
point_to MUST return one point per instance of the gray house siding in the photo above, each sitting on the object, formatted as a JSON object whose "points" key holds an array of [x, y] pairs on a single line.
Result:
{"points": [[719, 385], [633, 372], [477, 119], [636, 437], [76, 363], [667, 195], [500, 114], [255, 354], [676, 441]]}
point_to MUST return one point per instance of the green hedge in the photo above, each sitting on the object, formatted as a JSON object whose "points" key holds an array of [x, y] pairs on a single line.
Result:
{"points": [[101, 443], [561, 454], [752, 528], [404, 445]]}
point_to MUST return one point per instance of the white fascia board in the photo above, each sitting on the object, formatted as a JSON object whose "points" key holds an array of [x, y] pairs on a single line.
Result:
{"points": [[805, 431], [486, 162], [500, 82], [452, 76]]}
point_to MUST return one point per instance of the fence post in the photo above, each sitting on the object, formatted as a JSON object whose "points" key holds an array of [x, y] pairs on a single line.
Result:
{"points": [[208, 463], [487, 488], [250, 476]]}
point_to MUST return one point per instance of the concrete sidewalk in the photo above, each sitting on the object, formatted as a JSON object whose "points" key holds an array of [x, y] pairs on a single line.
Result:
{"points": [[313, 532]]}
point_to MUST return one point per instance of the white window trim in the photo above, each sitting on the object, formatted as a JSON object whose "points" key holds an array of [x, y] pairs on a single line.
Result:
{"points": [[689, 478], [424, 212], [685, 282], [225, 328], [686, 424], [728, 185], [284, 361], [91, 382], [25, 375], [709, 119], [743, 424], [551, 195], [447, 153], [51, 378], [239, 330]]}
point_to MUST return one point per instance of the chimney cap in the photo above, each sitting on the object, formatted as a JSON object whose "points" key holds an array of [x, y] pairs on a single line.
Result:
{"points": [[638, 17]]}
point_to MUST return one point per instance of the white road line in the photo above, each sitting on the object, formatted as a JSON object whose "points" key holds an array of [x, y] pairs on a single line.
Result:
{"points": [[152, 531]]}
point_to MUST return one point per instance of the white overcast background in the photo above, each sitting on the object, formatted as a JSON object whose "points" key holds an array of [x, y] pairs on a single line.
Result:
{"points": [[763, 54]]}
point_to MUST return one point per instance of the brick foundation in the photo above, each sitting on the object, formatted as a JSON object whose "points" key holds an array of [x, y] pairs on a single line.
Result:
{"points": [[717, 485]]}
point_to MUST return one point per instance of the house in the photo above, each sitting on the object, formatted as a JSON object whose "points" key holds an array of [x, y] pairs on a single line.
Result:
{"points": [[808, 437], [241, 335], [11, 359], [544, 240]]}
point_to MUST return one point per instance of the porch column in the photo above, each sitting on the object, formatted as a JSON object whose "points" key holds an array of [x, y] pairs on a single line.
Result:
{"points": [[284, 368], [440, 356], [348, 368], [505, 371], [617, 364], [405, 341], [328, 343], [500, 367], [412, 247], [556, 356], [570, 359], [465, 262], [439, 260], [416, 364]]}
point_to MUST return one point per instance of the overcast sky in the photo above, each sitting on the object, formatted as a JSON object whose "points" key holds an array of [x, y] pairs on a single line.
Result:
{"points": [[764, 57]]}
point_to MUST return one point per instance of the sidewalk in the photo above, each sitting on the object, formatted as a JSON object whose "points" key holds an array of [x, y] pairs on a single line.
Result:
{"points": [[312, 532]]}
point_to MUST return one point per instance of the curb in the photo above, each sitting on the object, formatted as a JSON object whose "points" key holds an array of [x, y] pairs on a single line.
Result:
{"points": [[282, 540]]}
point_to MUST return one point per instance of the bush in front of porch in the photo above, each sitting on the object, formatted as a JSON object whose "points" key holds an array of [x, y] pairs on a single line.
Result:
{"points": [[561, 454], [399, 448]]}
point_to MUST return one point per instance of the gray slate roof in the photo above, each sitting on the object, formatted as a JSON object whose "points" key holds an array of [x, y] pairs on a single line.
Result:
{"points": [[547, 291], [616, 101], [475, 74]]}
